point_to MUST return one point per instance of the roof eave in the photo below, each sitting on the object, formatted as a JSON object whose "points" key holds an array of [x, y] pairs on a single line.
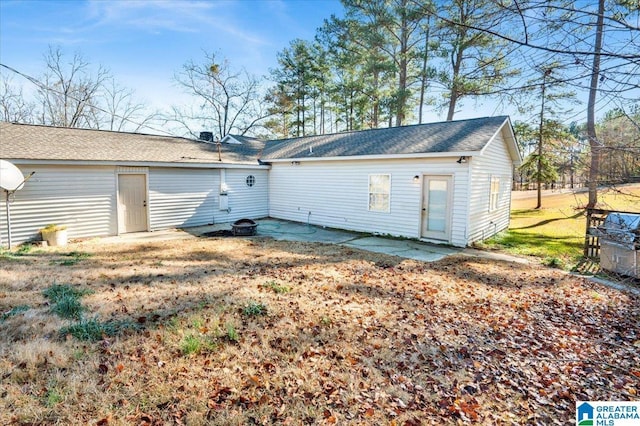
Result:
{"points": [[375, 157], [199, 165]]}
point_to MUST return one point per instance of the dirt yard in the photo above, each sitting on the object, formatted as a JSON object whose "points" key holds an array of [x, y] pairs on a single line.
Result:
{"points": [[253, 331]]}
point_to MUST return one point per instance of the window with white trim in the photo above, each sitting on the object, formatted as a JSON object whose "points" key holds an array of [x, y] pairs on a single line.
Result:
{"points": [[379, 193], [494, 197]]}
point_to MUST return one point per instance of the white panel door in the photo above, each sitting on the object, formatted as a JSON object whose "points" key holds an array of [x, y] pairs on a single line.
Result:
{"points": [[436, 207], [132, 202]]}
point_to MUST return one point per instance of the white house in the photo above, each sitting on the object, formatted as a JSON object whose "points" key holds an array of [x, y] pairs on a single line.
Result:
{"points": [[446, 182], [101, 183]]}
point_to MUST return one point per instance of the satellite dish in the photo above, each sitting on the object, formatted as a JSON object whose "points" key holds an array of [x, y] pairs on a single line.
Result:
{"points": [[11, 178]]}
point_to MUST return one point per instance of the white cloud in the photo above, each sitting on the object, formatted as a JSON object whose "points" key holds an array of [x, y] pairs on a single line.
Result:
{"points": [[155, 16]]}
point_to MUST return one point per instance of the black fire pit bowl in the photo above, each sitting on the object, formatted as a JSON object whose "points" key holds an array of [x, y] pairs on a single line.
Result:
{"points": [[244, 227]]}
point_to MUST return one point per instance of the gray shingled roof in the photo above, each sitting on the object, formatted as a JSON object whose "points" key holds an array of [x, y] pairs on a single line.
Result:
{"points": [[31, 142], [246, 139], [450, 136]]}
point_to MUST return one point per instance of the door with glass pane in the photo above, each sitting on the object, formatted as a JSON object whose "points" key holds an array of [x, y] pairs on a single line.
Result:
{"points": [[436, 207]]}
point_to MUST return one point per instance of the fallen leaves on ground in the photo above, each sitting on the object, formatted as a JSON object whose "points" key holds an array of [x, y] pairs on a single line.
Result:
{"points": [[360, 338]]}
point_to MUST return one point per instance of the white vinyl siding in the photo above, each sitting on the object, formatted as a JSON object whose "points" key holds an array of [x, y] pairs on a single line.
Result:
{"points": [[80, 197], [182, 197], [245, 201], [495, 162], [335, 194], [379, 193], [190, 197]]}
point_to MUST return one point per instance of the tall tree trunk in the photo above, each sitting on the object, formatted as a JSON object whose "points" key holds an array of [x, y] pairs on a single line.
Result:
{"points": [[402, 75], [423, 83], [453, 98], [540, 140], [591, 108], [376, 100]]}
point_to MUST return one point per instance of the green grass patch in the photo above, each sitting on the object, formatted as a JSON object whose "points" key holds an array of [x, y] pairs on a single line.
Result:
{"points": [[53, 397], [254, 309], [65, 301], [74, 257], [193, 344], [232, 334], [276, 288], [92, 330], [14, 311], [556, 232], [68, 306], [22, 250], [56, 291]]}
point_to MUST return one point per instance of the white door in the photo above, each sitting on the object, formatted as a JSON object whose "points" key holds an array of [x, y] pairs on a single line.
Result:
{"points": [[132, 203], [436, 207]]}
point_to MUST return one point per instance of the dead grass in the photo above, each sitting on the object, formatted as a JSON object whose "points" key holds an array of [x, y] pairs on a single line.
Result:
{"points": [[358, 338]]}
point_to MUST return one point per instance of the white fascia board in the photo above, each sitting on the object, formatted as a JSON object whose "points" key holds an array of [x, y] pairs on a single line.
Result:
{"points": [[376, 157], [212, 165], [510, 141]]}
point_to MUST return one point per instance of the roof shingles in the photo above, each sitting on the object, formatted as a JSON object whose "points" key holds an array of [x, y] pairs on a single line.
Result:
{"points": [[29, 142], [450, 136]]}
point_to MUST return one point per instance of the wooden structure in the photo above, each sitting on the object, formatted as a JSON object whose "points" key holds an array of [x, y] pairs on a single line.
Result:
{"points": [[595, 218]]}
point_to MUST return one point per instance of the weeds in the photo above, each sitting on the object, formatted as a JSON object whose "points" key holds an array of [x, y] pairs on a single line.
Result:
{"points": [[232, 333], [191, 345], [52, 397], [65, 301], [554, 262], [254, 309], [14, 311], [56, 291], [194, 345], [74, 257], [22, 250], [277, 288], [92, 330]]}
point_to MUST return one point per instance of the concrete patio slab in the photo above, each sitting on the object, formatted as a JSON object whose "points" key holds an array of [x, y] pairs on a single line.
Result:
{"points": [[283, 230]]}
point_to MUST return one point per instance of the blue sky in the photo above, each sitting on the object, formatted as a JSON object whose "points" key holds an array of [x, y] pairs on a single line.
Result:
{"points": [[144, 43]]}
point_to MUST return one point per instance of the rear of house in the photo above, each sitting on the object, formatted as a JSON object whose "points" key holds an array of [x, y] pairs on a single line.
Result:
{"points": [[442, 182], [445, 182], [100, 183]]}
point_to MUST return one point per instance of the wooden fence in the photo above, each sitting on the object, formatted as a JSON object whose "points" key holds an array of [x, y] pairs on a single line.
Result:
{"points": [[595, 218]]}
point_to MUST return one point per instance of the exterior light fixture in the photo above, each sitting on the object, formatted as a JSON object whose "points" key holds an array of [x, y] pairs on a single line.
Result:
{"points": [[462, 159], [416, 178]]}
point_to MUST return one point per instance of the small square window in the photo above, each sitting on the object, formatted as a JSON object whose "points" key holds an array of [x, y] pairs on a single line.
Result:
{"points": [[251, 180]]}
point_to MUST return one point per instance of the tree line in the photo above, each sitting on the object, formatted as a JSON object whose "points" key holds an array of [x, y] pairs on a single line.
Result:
{"points": [[387, 63]]}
